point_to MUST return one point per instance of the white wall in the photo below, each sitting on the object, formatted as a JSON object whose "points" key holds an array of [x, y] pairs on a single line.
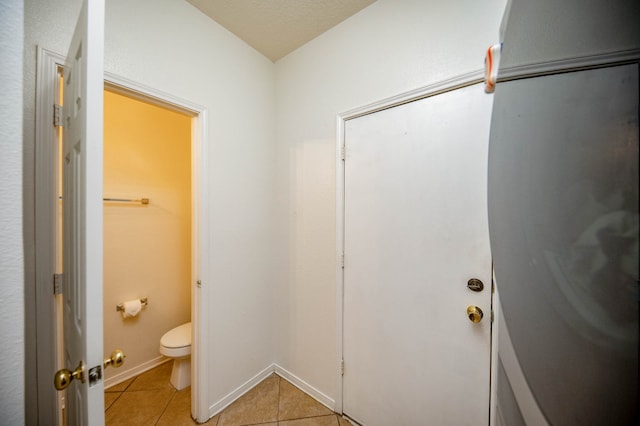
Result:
{"points": [[388, 48], [170, 46], [12, 388]]}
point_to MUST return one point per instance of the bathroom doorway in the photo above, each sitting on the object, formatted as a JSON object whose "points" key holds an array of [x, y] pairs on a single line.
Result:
{"points": [[153, 154], [147, 215]]}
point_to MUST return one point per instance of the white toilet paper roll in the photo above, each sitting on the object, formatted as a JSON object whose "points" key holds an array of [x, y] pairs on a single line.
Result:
{"points": [[131, 308]]}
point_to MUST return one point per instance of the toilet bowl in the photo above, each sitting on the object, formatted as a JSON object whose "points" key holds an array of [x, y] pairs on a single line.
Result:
{"points": [[176, 344]]}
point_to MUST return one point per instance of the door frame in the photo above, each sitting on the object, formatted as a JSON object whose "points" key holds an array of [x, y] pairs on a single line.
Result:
{"points": [[438, 88], [48, 62], [49, 401]]}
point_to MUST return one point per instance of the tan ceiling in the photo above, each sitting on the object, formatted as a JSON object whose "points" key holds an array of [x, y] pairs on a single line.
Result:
{"points": [[277, 27]]}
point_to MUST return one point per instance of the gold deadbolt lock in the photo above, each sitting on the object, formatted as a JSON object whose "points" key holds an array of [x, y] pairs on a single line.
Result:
{"points": [[115, 360], [64, 377], [474, 313]]}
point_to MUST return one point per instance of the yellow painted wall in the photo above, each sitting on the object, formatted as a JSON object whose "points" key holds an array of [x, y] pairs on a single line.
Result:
{"points": [[147, 248]]}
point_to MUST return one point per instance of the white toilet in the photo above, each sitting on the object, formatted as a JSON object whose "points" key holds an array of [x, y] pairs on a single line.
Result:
{"points": [[176, 344]]}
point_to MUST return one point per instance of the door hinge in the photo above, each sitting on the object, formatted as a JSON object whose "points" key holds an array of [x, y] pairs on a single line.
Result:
{"points": [[57, 116], [342, 260], [57, 283], [342, 152], [199, 283], [492, 315], [342, 367]]}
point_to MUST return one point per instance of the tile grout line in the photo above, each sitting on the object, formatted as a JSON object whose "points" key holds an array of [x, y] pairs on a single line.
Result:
{"points": [[278, 410], [217, 420], [175, 392], [119, 392], [114, 401]]}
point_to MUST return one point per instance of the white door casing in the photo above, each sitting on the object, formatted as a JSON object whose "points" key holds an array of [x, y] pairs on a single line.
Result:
{"points": [[82, 215], [415, 231], [199, 226]]}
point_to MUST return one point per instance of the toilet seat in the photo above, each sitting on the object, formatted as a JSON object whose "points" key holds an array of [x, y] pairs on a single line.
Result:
{"points": [[176, 343]]}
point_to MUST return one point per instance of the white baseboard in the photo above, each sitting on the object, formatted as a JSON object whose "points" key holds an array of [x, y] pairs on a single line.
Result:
{"points": [[134, 371], [305, 387], [285, 374], [239, 391]]}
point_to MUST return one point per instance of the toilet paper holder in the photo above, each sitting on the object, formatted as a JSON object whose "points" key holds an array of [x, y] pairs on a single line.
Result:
{"points": [[120, 306]]}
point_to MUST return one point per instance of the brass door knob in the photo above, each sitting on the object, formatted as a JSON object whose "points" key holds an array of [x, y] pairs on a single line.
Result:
{"points": [[474, 313], [115, 360], [64, 377]]}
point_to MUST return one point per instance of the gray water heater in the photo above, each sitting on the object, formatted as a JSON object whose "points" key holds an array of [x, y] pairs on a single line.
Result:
{"points": [[563, 213]]}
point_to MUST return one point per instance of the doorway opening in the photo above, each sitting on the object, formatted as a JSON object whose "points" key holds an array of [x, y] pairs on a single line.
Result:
{"points": [[190, 194], [147, 229]]}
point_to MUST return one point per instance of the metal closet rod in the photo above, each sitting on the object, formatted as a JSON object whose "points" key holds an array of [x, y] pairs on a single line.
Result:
{"points": [[122, 200], [127, 200]]}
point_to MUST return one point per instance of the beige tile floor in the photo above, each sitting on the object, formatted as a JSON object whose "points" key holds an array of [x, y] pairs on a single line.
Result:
{"points": [[149, 399]]}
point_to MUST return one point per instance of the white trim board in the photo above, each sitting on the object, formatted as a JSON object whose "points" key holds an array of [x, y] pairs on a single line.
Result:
{"points": [[133, 372], [232, 396], [139, 91], [285, 374], [48, 404], [457, 82], [305, 387]]}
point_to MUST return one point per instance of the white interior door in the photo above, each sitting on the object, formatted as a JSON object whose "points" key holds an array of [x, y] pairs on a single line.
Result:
{"points": [[82, 216], [415, 233]]}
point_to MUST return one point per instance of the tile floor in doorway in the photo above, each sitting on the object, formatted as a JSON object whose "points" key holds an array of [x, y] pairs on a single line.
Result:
{"points": [[149, 399]]}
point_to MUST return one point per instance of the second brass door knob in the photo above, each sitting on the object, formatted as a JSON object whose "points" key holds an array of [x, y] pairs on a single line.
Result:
{"points": [[474, 313]]}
